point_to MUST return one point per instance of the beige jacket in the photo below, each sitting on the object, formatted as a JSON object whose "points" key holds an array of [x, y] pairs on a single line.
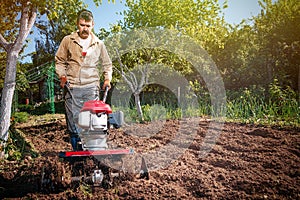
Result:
{"points": [[82, 71]]}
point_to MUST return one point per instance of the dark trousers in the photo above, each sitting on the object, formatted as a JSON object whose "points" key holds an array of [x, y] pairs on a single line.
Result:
{"points": [[74, 99]]}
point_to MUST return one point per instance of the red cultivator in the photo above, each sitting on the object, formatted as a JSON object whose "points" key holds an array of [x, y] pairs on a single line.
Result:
{"points": [[94, 163]]}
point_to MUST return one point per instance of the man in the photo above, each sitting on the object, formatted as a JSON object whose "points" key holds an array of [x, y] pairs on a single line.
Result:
{"points": [[77, 63]]}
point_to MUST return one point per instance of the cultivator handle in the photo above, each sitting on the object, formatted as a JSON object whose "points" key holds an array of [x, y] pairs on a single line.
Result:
{"points": [[105, 94], [67, 86]]}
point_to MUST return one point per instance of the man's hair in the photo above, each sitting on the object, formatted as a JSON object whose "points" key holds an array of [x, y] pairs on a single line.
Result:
{"points": [[85, 14]]}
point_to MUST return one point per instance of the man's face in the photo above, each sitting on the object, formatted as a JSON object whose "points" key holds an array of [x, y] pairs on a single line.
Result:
{"points": [[85, 28]]}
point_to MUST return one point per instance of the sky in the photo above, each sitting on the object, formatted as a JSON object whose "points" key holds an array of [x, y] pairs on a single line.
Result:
{"points": [[108, 14]]}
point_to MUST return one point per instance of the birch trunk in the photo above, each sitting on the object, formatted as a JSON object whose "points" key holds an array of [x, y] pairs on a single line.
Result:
{"points": [[13, 48], [7, 96]]}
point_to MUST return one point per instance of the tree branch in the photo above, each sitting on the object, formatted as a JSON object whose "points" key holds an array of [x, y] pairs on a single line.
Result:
{"points": [[121, 72], [27, 22], [3, 42]]}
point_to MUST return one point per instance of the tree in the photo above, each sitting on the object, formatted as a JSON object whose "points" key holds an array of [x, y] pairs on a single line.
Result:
{"points": [[18, 17], [235, 61], [135, 61], [254, 54], [13, 47], [197, 19], [135, 82], [277, 29]]}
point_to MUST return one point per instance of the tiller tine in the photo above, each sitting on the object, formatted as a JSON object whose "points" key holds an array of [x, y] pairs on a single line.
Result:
{"points": [[144, 173]]}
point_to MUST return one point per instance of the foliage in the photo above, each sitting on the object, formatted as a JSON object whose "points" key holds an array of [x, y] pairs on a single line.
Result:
{"points": [[201, 20], [277, 29], [44, 108], [168, 57], [10, 20], [22, 83], [234, 61], [25, 108], [275, 106], [255, 54], [17, 147], [87, 190], [41, 109], [247, 54], [20, 117], [157, 94]]}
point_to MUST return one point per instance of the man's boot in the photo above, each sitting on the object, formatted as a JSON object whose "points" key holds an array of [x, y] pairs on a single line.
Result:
{"points": [[75, 142]]}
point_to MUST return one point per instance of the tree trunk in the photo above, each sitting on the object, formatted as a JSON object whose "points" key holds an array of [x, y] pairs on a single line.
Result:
{"points": [[7, 97], [138, 106], [13, 48]]}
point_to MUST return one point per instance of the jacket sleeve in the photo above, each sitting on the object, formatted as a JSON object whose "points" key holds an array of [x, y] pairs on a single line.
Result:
{"points": [[106, 63], [61, 58]]}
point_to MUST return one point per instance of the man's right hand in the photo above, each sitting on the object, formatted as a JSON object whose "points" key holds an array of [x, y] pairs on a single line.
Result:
{"points": [[63, 81]]}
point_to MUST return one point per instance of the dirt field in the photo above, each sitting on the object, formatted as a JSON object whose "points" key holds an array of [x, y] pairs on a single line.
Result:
{"points": [[245, 162]]}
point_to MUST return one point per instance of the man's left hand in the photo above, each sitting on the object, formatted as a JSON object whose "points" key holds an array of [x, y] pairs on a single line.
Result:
{"points": [[106, 84]]}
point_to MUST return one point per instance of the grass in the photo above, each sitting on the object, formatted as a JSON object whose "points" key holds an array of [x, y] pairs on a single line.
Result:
{"points": [[276, 106], [17, 147], [33, 120]]}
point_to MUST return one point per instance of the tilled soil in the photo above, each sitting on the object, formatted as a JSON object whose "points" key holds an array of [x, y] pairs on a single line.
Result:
{"points": [[188, 159]]}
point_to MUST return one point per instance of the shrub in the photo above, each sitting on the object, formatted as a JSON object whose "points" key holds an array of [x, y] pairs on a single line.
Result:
{"points": [[20, 117]]}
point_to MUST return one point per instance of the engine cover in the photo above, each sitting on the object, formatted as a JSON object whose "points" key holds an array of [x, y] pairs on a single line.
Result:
{"points": [[96, 106]]}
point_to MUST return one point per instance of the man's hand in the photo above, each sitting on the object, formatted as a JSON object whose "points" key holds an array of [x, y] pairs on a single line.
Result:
{"points": [[63, 81], [106, 84]]}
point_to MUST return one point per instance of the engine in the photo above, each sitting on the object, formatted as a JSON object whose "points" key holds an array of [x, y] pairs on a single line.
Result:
{"points": [[94, 121]]}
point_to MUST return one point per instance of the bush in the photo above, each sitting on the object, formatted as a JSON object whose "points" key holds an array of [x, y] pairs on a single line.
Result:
{"points": [[25, 108], [17, 147], [20, 117], [44, 108]]}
